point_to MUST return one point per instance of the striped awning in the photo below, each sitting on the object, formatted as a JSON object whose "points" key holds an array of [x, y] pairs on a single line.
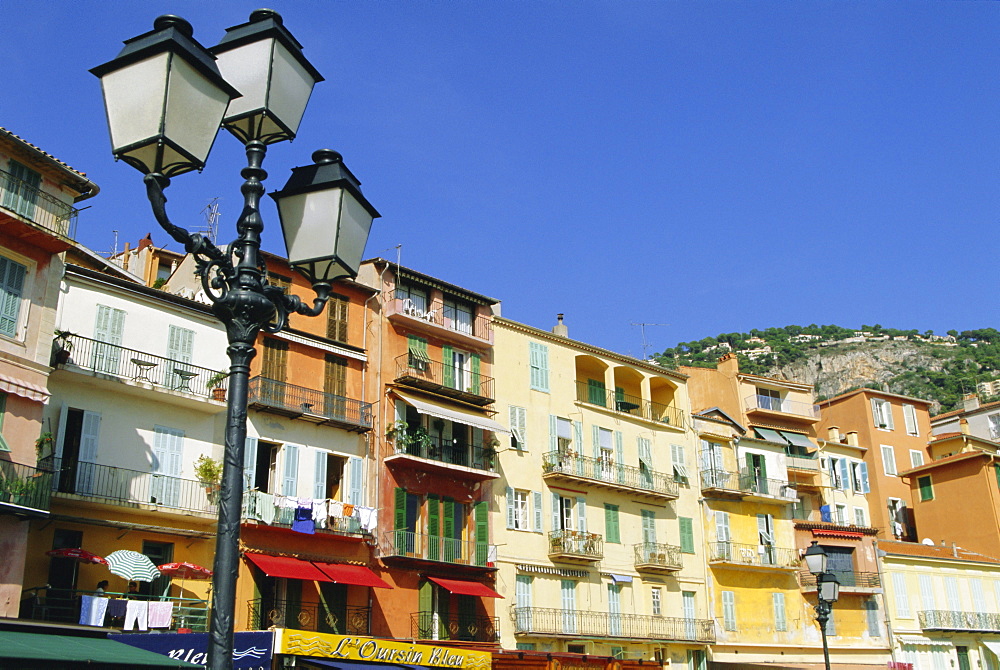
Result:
{"points": [[449, 413], [23, 389]]}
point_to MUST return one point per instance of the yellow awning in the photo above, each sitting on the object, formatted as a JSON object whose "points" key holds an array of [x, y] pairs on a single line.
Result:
{"points": [[451, 414]]}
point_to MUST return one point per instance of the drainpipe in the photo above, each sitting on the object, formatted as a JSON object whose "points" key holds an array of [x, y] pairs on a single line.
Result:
{"points": [[885, 606]]}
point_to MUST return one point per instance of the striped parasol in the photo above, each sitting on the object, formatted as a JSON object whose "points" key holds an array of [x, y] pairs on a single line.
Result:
{"points": [[131, 565]]}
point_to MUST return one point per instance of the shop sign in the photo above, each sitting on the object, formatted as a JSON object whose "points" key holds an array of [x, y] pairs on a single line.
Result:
{"points": [[374, 650], [251, 650]]}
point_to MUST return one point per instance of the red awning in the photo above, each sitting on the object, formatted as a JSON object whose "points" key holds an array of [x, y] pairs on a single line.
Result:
{"points": [[358, 575], [287, 567], [464, 588]]}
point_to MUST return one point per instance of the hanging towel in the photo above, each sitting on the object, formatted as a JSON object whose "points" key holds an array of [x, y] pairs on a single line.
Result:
{"points": [[348, 509], [161, 614], [116, 608], [265, 508], [87, 608], [136, 612], [320, 509], [368, 518], [336, 508], [303, 520]]}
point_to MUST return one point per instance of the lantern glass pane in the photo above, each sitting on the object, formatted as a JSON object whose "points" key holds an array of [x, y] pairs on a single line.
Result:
{"points": [[133, 97], [246, 68], [828, 591], [194, 110], [291, 86], [355, 224], [309, 223]]}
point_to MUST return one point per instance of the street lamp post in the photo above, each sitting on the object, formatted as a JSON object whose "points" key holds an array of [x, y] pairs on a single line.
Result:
{"points": [[166, 97], [827, 591]]}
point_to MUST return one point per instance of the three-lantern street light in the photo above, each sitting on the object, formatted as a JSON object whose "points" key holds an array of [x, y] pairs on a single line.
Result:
{"points": [[827, 591], [166, 97]]}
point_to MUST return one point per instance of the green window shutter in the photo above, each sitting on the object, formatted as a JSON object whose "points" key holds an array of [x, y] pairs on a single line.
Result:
{"points": [[426, 596], [996, 469], [3, 413], [11, 286], [433, 528], [926, 489], [481, 513], [596, 394], [687, 534], [400, 509], [474, 387], [596, 435], [452, 550], [611, 523], [619, 393], [448, 365], [553, 433]]}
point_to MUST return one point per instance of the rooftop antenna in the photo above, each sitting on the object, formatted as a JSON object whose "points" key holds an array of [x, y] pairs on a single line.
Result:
{"points": [[645, 343], [212, 214], [114, 245]]}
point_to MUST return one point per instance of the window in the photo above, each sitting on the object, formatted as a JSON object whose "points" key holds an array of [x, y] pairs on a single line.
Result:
{"points": [[281, 281], [645, 448], [687, 534], [916, 458], [596, 393], [729, 610], [11, 289], [538, 361], [21, 190], [334, 384], [336, 319], [460, 369], [882, 414], [518, 427], [679, 463], [611, 523], [568, 588], [168, 457], [606, 452], [562, 434], [926, 490], [994, 420], [889, 460], [768, 399], [656, 600], [517, 509], [458, 316], [618, 652], [859, 475], [417, 358], [837, 479], [841, 511], [414, 299], [180, 348], [778, 606], [910, 419], [859, 516], [871, 616], [274, 364], [901, 596]]}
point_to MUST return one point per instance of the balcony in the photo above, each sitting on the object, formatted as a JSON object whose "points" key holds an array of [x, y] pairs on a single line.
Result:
{"points": [[434, 626], [629, 404], [575, 545], [781, 408], [299, 402], [24, 490], [657, 557], [476, 333], [850, 581], [761, 489], [753, 556], [112, 485], [254, 510], [54, 217], [476, 462], [407, 544], [574, 623], [320, 617], [140, 371], [446, 380], [45, 603], [557, 465], [983, 622]]}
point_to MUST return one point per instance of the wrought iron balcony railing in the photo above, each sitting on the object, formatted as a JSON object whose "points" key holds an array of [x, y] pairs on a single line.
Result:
{"points": [[576, 544], [479, 326], [762, 555], [629, 404], [720, 479], [120, 486], [408, 544], [319, 617], [83, 353], [862, 580], [552, 621], [34, 204], [446, 379], [610, 474], [24, 488], [434, 626], [259, 506], [452, 452], [783, 405], [750, 482], [46, 603], [985, 622], [657, 556], [316, 405]]}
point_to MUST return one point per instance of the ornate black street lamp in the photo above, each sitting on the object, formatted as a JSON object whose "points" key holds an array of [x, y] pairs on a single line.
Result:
{"points": [[827, 591], [166, 97]]}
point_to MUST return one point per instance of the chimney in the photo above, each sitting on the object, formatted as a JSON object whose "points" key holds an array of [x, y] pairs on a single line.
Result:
{"points": [[970, 401], [954, 550], [833, 433], [560, 328], [852, 438], [964, 426], [729, 365]]}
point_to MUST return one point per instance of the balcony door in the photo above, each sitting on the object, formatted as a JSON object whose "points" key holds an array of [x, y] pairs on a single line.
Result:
{"points": [[840, 561], [522, 603], [433, 618], [713, 472], [765, 533], [332, 614], [757, 472], [78, 452], [614, 609], [335, 387], [108, 329], [649, 534], [20, 190], [168, 455], [687, 604]]}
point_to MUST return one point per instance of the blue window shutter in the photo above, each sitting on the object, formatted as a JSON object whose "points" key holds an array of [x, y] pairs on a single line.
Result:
{"points": [[536, 500], [596, 434], [553, 432], [356, 466], [319, 474], [11, 287], [556, 514], [250, 462], [578, 436], [845, 475], [289, 486], [581, 515], [510, 508], [863, 472], [619, 449], [538, 361]]}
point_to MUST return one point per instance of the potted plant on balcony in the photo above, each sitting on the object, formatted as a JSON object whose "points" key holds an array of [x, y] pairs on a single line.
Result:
{"points": [[214, 384], [44, 445], [62, 347], [209, 473]]}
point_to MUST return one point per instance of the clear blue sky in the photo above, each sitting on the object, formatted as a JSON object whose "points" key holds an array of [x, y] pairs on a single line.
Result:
{"points": [[714, 166]]}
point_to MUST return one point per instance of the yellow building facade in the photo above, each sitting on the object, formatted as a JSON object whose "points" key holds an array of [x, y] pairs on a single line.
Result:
{"points": [[599, 544]]}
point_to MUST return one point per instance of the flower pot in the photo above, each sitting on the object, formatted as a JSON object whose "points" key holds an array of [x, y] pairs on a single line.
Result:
{"points": [[219, 394]]}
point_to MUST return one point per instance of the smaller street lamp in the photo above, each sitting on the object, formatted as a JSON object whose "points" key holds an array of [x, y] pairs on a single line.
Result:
{"points": [[827, 591]]}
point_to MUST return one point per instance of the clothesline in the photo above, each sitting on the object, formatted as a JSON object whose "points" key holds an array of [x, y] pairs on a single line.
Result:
{"points": [[307, 514]]}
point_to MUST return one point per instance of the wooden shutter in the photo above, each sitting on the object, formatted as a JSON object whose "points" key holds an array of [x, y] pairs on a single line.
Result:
{"points": [[648, 526], [722, 526], [433, 528], [399, 511], [863, 476], [687, 534], [481, 515], [290, 480], [250, 462], [729, 610], [553, 433], [108, 329], [321, 459], [448, 363], [336, 324], [335, 375], [538, 360], [778, 602], [274, 364], [510, 508], [556, 512], [537, 503], [845, 475], [476, 364], [11, 287], [611, 523], [596, 434], [356, 485], [581, 515], [901, 596]]}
